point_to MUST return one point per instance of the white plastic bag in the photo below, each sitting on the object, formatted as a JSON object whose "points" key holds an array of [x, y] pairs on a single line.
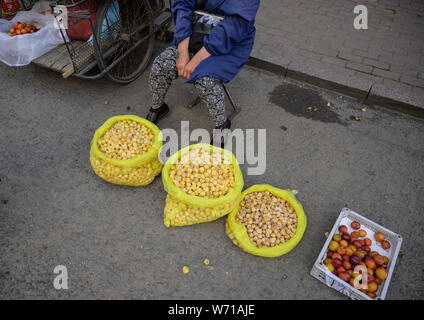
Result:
{"points": [[22, 49], [41, 6]]}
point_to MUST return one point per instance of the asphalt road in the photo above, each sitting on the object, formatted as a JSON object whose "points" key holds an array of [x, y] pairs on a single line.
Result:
{"points": [[55, 211]]}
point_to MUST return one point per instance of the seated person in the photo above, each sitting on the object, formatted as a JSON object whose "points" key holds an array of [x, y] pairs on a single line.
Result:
{"points": [[225, 51]]}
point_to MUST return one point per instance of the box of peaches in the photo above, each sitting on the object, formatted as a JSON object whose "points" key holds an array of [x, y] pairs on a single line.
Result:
{"points": [[20, 28], [358, 258]]}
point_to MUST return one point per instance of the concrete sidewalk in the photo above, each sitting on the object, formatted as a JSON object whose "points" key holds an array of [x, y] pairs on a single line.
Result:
{"points": [[315, 41]]}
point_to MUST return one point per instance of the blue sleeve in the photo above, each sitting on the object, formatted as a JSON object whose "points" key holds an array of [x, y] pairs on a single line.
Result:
{"points": [[236, 26], [182, 11]]}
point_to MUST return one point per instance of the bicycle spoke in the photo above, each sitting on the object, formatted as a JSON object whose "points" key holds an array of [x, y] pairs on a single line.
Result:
{"points": [[123, 28]]}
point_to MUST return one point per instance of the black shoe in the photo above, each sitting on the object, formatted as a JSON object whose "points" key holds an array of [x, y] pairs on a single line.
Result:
{"points": [[155, 115], [223, 138]]}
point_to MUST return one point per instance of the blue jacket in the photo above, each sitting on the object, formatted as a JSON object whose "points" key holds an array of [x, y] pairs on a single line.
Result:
{"points": [[229, 43]]}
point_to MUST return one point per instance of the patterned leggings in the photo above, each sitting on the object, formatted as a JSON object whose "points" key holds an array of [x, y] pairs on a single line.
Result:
{"points": [[210, 90]]}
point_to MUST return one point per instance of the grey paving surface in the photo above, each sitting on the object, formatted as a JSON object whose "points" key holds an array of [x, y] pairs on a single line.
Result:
{"points": [[54, 210], [317, 38]]}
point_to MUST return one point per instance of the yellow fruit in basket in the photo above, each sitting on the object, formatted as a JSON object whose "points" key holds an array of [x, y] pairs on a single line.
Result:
{"points": [[203, 183], [330, 267], [269, 220], [184, 214], [203, 173], [125, 140], [139, 176], [118, 147]]}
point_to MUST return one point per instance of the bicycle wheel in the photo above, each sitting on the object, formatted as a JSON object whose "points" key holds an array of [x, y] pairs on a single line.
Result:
{"points": [[124, 28]]}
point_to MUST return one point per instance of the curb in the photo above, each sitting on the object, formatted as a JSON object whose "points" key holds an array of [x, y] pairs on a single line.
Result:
{"points": [[362, 95]]}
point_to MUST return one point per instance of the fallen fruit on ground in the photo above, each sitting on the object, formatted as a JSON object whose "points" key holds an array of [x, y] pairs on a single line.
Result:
{"points": [[186, 269]]}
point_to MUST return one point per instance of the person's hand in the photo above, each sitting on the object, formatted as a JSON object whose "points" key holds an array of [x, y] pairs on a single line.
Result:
{"points": [[189, 68], [201, 55], [182, 61], [183, 57]]}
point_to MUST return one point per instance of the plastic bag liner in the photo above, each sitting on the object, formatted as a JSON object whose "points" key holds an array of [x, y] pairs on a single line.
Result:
{"points": [[237, 232], [182, 209], [138, 171], [22, 49]]}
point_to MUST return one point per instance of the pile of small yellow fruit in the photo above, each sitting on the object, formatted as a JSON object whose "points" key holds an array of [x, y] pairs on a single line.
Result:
{"points": [[269, 220], [125, 140], [203, 173]]}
